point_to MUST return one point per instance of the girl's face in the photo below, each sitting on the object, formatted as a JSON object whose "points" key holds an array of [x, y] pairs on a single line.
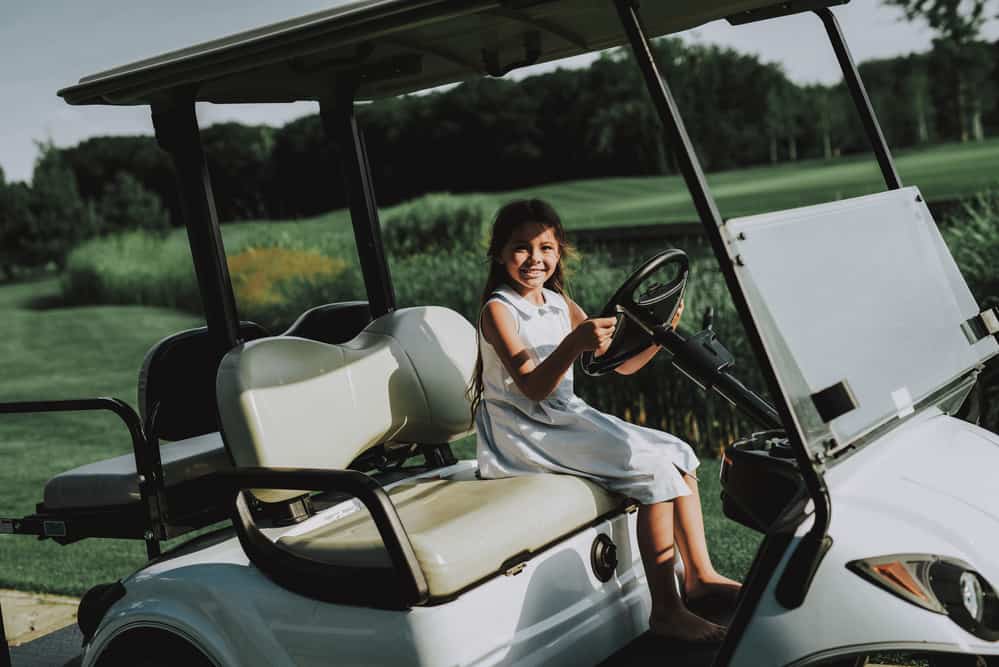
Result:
{"points": [[530, 256]]}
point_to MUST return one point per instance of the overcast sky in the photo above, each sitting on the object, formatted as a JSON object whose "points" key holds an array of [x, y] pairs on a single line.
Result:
{"points": [[49, 44]]}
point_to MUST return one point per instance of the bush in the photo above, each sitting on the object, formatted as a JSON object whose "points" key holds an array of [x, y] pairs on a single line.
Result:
{"points": [[973, 237], [270, 283], [132, 268], [437, 222]]}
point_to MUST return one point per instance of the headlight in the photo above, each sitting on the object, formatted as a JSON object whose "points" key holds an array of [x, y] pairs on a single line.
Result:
{"points": [[941, 585], [972, 595]]}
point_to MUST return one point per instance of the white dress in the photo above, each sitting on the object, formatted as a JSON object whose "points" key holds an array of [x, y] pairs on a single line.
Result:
{"points": [[562, 434]]}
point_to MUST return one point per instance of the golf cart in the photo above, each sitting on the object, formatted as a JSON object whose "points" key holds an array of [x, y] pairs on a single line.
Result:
{"points": [[357, 538]]}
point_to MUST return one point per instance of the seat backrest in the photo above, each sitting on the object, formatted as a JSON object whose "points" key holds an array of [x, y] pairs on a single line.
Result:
{"points": [[331, 322], [176, 383], [292, 402]]}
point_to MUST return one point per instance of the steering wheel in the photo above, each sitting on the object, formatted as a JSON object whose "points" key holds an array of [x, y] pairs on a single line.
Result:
{"points": [[640, 312]]}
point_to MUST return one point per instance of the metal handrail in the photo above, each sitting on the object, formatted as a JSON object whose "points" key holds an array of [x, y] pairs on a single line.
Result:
{"points": [[404, 586], [148, 465]]}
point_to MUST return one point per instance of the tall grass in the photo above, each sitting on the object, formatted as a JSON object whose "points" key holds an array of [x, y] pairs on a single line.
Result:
{"points": [[973, 238]]}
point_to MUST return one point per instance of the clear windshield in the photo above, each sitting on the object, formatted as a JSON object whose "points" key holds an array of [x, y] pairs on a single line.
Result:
{"points": [[862, 292]]}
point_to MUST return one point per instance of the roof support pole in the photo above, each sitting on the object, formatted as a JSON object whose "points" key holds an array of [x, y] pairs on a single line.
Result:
{"points": [[177, 133], [811, 547], [851, 76], [342, 129]]}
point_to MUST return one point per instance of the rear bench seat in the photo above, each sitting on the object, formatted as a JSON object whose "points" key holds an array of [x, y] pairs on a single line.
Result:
{"points": [[287, 402], [177, 385]]}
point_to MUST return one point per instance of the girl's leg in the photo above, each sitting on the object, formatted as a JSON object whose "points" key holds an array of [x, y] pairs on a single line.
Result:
{"points": [[700, 576], [670, 618]]}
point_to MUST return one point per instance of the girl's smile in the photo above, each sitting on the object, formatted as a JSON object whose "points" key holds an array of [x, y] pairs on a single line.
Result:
{"points": [[530, 258]]}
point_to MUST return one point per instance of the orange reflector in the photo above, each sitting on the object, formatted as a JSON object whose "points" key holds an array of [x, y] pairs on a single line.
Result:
{"points": [[896, 573]]}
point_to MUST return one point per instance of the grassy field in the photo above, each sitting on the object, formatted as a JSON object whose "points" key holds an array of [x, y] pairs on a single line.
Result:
{"points": [[941, 172], [52, 353]]}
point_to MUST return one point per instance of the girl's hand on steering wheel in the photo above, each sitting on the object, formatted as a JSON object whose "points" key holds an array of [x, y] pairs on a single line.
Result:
{"points": [[594, 334], [676, 318]]}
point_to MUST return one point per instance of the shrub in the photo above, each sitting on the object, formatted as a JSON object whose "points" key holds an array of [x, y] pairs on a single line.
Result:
{"points": [[437, 222], [266, 281], [973, 238], [132, 268]]}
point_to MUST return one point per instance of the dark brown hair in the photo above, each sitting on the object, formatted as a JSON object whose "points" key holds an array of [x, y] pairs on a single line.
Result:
{"points": [[508, 219]]}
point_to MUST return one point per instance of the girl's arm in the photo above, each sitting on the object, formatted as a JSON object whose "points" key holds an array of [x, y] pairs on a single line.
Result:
{"points": [[537, 381]]}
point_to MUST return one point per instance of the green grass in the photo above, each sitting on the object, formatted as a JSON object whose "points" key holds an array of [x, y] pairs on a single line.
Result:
{"points": [[941, 172], [56, 354], [96, 351]]}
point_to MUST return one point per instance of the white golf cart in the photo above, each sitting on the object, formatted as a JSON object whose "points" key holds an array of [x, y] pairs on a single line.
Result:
{"points": [[865, 330]]}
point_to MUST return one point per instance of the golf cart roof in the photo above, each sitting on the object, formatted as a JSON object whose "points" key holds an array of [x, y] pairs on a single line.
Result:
{"points": [[394, 46]]}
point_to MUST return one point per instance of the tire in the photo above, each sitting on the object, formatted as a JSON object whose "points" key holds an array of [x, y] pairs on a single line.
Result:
{"points": [[152, 648]]}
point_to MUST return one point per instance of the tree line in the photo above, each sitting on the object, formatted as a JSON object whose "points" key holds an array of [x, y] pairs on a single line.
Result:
{"points": [[496, 134]]}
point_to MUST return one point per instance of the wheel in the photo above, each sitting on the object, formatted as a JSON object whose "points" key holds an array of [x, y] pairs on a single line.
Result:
{"points": [[151, 648], [639, 313]]}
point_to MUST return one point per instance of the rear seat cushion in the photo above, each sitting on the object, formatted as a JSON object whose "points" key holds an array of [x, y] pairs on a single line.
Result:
{"points": [[462, 531], [115, 482]]}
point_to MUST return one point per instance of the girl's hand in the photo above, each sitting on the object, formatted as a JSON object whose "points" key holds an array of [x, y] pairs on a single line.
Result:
{"points": [[594, 334], [676, 318]]}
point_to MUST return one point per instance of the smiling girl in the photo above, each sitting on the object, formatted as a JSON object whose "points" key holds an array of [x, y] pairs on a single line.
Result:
{"points": [[529, 420]]}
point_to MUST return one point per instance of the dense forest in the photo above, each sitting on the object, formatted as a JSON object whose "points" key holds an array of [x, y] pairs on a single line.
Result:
{"points": [[496, 134]]}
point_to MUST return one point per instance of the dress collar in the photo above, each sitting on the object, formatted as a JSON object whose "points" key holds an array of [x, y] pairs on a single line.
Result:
{"points": [[554, 302]]}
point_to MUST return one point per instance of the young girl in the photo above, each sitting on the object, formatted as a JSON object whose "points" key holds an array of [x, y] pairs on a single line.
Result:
{"points": [[528, 420]]}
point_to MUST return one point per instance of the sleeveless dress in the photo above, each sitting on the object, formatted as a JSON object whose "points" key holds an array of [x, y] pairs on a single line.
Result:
{"points": [[562, 434]]}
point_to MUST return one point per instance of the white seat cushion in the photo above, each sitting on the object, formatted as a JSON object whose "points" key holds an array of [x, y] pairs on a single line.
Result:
{"points": [[463, 531], [115, 482]]}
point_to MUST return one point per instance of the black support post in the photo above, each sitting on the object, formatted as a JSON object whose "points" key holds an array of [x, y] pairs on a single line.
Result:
{"points": [[4, 649], [851, 76], [690, 167], [341, 128], [177, 133]]}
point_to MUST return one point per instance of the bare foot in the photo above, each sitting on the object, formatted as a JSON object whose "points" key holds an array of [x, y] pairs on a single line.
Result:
{"points": [[714, 587], [681, 624]]}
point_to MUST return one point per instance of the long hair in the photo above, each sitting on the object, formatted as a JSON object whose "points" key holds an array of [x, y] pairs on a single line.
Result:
{"points": [[508, 219]]}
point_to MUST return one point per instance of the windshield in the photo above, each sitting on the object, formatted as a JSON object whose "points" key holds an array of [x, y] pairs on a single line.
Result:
{"points": [[858, 302]]}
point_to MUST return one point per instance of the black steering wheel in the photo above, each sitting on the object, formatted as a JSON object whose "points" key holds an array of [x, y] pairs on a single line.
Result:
{"points": [[640, 311]]}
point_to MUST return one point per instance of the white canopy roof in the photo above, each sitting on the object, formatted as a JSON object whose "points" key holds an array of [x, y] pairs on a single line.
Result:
{"points": [[394, 47]]}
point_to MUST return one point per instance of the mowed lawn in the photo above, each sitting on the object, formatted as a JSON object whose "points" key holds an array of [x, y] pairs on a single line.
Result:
{"points": [[58, 353], [941, 172]]}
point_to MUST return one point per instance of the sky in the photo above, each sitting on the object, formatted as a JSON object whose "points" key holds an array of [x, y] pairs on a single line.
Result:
{"points": [[50, 44]]}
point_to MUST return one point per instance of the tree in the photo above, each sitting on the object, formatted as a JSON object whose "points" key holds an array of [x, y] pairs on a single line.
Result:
{"points": [[958, 24], [60, 217], [16, 223], [126, 204]]}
